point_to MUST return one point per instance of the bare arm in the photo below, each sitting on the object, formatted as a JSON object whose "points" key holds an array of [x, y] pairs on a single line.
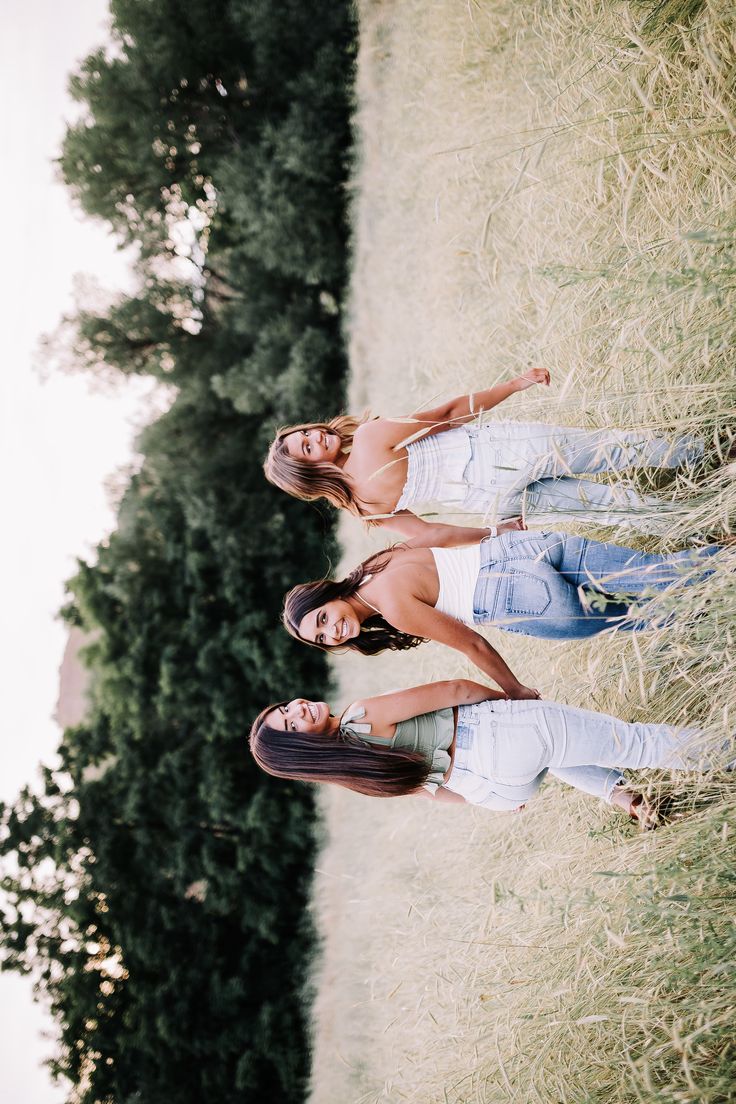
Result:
{"points": [[447, 797], [386, 710], [468, 406], [390, 435], [419, 533], [411, 615]]}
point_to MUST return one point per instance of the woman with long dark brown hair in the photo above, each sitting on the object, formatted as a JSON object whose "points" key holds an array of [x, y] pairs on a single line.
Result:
{"points": [[461, 741], [551, 585]]}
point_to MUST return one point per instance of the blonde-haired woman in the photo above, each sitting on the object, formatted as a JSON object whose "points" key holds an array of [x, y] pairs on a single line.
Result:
{"points": [[378, 468]]}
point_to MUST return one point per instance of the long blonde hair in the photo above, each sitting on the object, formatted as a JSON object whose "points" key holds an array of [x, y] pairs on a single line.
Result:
{"points": [[310, 481]]}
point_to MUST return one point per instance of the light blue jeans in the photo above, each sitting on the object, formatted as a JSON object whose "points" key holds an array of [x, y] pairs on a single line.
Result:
{"points": [[532, 468], [559, 586], [504, 749]]}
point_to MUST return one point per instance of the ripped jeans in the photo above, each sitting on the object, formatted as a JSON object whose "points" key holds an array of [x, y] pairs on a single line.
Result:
{"points": [[559, 586], [533, 468]]}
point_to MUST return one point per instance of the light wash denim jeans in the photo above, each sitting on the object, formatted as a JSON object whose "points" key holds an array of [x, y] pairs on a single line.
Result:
{"points": [[504, 749], [532, 468], [559, 586]]}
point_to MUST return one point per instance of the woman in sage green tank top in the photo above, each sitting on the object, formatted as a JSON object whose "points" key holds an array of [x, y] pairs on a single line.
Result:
{"points": [[460, 741]]}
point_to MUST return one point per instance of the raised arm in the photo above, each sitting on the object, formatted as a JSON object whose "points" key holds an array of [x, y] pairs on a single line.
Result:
{"points": [[390, 434], [411, 615], [468, 406]]}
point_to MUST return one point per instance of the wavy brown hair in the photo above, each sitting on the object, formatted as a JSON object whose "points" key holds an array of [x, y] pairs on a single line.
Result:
{"points": [[342, 759], [309, 481], [376, 634]]}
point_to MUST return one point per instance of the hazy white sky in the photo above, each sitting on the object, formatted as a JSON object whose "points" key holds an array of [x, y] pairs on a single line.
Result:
{"points": [[58, 441]]}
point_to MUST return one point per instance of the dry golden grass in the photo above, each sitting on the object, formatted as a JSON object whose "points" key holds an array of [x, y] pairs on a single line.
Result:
{"points": [[547, 184]]}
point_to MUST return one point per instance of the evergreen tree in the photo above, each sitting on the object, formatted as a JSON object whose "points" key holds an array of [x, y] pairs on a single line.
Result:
{"points": [[156, 886]]}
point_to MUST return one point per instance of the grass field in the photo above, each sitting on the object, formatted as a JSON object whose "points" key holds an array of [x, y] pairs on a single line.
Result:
{"points": [[549, 184]]}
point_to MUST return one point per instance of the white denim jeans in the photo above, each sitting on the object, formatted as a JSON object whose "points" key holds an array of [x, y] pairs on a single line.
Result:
{"points": [[504, 749]]}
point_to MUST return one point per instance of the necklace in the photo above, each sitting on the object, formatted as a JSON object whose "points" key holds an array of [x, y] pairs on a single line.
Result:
{"points": [[365, 601]]}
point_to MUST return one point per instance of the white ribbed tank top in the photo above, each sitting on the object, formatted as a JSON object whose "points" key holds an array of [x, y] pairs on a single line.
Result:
{"points": [[458, 570]]}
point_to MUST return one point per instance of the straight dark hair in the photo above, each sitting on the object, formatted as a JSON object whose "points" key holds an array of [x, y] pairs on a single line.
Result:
{"points": [[310, 481], [341, 759], [376, 634]]}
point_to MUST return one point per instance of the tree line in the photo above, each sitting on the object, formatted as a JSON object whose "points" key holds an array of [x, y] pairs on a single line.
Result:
{"points": [[156, 885]]}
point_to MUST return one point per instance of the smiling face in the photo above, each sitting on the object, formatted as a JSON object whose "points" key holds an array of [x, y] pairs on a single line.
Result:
{"points": [[330, 624], [315, 445], [301, 715]]}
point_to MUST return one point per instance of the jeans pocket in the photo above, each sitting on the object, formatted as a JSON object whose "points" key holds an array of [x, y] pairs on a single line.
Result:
{"points": [[487, 603], [527, 594], [480, 475], [468, 715], [519, 752]]}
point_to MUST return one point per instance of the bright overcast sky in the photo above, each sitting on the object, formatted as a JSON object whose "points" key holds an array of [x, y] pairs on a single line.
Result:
{"points": [[58, 441]]}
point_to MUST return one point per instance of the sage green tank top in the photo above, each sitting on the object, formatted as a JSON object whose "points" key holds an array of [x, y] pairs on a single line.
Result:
{"points": [[431, 734]]}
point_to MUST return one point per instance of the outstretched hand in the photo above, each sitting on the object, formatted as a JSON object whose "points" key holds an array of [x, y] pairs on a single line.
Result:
{"points": [[532, 376]]}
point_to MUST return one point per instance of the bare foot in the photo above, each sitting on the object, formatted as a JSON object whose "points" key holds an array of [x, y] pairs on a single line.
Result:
{"points": [[636, 806], [729, 453]]}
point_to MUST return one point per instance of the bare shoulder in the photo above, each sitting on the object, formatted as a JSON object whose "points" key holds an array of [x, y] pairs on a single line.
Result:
{"points": [[378, 712], [372, 446], [401, 603], [404, 574], [368, 429], [384, 433], [355, 709]]}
